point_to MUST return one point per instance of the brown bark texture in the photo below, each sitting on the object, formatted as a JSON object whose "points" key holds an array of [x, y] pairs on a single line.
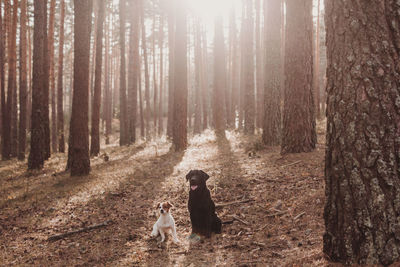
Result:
{"points": [[362, 160], [60, 84], [298, 134]]}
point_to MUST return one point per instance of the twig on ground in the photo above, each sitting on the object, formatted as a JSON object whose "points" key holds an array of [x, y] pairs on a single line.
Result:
{"points": [[259, 244], [184, 252], [85, 229], [240, 220], [153, 249], [276, 214], [232, 202], [299, 215], [290, 164]]}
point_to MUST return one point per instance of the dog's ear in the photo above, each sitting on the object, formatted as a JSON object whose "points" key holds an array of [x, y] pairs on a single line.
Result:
{"points": [[204, 175], [158, 205], [189, 175], [169, 205]]}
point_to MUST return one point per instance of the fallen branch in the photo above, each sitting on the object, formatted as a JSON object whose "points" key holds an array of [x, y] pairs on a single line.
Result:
{"points": [[153, 249], [240, 220], [184, 252], [259, 244], [299, 215], [232, 202], [85, 229], [290, 164]]}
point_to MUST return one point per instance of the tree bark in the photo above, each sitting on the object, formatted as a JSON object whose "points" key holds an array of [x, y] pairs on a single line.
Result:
{"points": [[205, 88], [219, 78], [122, 77], [272, 98], [37, 156], [363, 127], [171, 41], [198, 73], [22, 83], [95, 129], [160, 105], [2, 83], [52, 76], [180, 78], [298, 134], [60, 86], [79, 139], [316, 65], [259, 68]]}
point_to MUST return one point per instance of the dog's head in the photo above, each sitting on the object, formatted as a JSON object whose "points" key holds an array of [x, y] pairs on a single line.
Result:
{"points": [[164, 207], [197, 179]]}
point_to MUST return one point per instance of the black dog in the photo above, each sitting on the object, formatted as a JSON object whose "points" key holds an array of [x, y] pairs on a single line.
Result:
{"points": [[201, 207]]}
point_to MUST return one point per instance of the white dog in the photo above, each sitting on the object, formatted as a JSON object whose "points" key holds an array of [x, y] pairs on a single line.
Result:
{"points": [[165, 223]]}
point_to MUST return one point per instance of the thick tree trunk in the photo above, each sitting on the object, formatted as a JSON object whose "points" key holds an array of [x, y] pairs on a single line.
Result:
{"points": [[316, 65], [2, 89], [36, 155], [60, 93], [298, 133], [23, 88], [272, 99], [219, 78], [362, 158], [95, 129], [79, 139], [180, 78]]}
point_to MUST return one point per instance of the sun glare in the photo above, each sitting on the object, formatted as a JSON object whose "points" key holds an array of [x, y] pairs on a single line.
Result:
{"points": [[207, 10]]}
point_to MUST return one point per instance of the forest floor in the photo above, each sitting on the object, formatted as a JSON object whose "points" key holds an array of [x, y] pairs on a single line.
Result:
{"points": [[280, 225]]}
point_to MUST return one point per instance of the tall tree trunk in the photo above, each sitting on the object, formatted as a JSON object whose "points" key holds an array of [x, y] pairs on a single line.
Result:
{"points": [[259, 68], [147, 108], [299, 134], [52, 76], [171, 44], [133, 73], [79, 139], [272, 98], [107, 90], [198, 73], [205, 89], [234, 67], [316, 66], [219, 78], [122, 77], [12, 82], [155, 87], [160, 105], [95, 129], [2, 78], [142, 124], [249, 98], [60, 93], [243, 64], [37, 156], [22, 83], [362, 157], [180, 78], [29, 79]]}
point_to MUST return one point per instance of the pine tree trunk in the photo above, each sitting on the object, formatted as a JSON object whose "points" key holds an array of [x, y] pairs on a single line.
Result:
{"points": [[12, 82], [134, 58], [259, 68], [95, 129], [2, 83], [362, 157], [142, 124], [234, 68], [52, 76], [36, 156], [219, 78], [22, 83], [180, 79], [147, 107], [205, 88], [171, 43], [60, 93], [316, 66], [122, 78], [45, 105], [298, 134], [155, 87], [160, 105], [198, 73], [79, 139], [272, 99], [249, 98]]}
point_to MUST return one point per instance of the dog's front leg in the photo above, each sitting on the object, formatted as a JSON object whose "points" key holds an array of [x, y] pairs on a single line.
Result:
{"points": [[162, 233], [174, 236], [154, 233]]}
